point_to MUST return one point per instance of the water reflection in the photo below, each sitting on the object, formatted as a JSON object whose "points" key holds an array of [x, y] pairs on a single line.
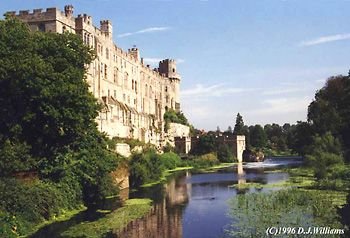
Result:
{"points": [[195, 205], [241, 174], [165, 218]]}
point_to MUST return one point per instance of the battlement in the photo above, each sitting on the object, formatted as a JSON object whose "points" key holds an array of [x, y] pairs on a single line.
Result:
{"points": [[50, 12], [85, 18]]}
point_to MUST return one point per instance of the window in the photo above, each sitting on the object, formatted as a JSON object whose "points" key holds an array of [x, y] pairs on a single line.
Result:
{"points": [[166, 88], [146, 90], [108, 94], [115, 75], [105, 71], [126, 80], [132, 85], [107, 53], [42, 27], [174, 70], [115, 94], [135, 87], [64, 29]]}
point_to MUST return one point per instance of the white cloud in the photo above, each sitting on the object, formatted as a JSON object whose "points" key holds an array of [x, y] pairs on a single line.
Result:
{"points": [[143, 31], [216, 90], [152, 60], [326, 39], [278, 106], [277, 91]]}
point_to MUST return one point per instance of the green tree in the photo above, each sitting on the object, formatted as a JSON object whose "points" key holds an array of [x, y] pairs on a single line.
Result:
{"points": [[330, 111], [48, 114], [257, 136], [238, 129], [324, 153]]}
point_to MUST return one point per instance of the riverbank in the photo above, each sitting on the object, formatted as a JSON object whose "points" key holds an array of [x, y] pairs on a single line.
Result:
{"points": [[112, 221], [301, 178]]}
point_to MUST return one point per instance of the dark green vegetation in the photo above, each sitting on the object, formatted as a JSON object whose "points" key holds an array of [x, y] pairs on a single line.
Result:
{"points": [[47, 129], [175, 117], [254, 213], [209, 144], [149, 167], [133, 209]]}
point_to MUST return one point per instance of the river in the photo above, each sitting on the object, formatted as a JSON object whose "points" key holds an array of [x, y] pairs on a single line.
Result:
{"points": [[191, 205]]}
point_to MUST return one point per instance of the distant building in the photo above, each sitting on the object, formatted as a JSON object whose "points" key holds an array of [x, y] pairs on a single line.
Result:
{"points": [[135, 97]]}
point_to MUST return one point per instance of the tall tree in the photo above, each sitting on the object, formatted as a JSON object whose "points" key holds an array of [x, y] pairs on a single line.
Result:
{"points": [[238, 129], [47, 113], [330, 110], [257, 136]]}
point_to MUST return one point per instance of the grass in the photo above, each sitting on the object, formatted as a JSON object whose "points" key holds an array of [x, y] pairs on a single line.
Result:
{"points": [[133, 209], [65, 215]]}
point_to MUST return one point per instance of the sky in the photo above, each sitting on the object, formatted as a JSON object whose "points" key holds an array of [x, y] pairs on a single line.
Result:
{"points": [[262, 58]]}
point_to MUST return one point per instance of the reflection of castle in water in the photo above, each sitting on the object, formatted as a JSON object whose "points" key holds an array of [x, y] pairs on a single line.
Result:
{"points": [[165, 218]]}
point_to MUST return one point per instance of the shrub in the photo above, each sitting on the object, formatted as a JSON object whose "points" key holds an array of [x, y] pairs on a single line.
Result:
{"points": [[145, 168], [170, 160], [225, 154]]}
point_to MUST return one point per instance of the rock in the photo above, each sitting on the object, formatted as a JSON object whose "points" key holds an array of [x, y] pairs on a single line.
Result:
{"points": [[253, 156]]}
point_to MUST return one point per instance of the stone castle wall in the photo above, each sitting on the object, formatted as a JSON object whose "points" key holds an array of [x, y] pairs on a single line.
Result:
{"points": [[135, 97]]}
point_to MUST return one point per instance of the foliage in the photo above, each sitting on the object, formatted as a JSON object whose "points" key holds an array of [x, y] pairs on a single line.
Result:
{"points": [[205, 144], [112, 222], [170, 160], [258, 136], [145, 168], [224, 154], [254, 213], [202, 161], [330, 111], [175, 117], [238, 129], [324, 153], [48, 125], [25, 205]]}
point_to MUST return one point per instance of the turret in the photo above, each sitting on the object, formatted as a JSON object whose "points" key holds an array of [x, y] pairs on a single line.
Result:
{"points": [[168, 68], [68, 10], [106, 27], [134, 52]]}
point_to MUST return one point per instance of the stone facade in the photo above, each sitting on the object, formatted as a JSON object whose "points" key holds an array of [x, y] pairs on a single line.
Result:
{"points": [[135, 97]]}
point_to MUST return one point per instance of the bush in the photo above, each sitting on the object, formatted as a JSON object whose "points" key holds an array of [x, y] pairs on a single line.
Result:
{"points": [[225, 154], [202, 161], [145, 168], [25, 205], [170, 160]]}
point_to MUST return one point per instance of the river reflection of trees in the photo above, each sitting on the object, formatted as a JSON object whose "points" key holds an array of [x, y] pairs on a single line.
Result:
{"points": [[165, 218]]}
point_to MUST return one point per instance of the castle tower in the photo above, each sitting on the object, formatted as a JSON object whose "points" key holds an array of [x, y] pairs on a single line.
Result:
{"points": [[106, 27], [68, 10], [167, 68], [134, 52]]}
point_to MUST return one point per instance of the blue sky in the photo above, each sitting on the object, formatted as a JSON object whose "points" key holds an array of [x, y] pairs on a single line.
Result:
{"points": [[262, 58]]}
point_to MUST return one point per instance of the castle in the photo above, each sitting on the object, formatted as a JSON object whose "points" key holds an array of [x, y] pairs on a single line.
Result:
{"points": [[135, 97]]}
